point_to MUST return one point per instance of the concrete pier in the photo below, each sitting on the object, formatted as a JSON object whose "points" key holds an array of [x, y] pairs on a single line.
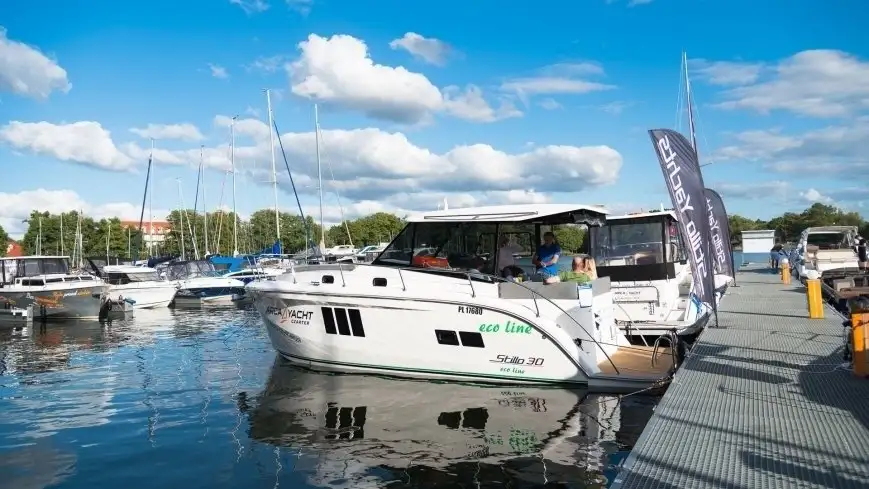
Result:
{"points": [[761, 402]]}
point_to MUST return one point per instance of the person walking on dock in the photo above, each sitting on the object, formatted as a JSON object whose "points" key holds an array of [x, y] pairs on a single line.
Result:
{"points": [[862, 257], [775, 255]]}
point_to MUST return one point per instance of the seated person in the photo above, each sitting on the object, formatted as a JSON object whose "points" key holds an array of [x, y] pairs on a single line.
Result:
{"points": [[546, 257], [506, 262], [581, 271]]}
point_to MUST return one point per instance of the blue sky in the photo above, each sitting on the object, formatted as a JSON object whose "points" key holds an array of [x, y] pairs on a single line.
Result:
{"points": [[472, 101]]}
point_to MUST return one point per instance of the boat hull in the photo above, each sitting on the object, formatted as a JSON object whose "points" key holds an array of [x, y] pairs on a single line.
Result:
{"points": [[80, 303], [210, 300], [145, 297], [400, 338]]}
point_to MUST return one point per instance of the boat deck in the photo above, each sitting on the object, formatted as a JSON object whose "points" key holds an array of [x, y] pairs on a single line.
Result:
{"points": [[637, 361], [760, 402]]}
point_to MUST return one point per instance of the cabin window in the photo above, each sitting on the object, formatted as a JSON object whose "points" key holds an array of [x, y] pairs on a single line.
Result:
{"points": [[400, 249], [447, 337], [472, 338], [629, 243], [828, 241], [120, 278]]}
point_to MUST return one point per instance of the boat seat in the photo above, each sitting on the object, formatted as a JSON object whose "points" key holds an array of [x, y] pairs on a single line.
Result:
{"points": [[842, 283]]}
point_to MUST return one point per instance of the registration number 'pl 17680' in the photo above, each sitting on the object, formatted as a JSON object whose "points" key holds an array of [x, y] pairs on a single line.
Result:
{"points": [[471, 310]]}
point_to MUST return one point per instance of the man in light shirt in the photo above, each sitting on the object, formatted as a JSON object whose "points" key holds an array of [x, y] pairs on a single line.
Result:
{"points": [[506, 262]]}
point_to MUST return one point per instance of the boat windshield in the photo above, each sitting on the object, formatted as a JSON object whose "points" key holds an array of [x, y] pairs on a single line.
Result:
{"points": [[124, 278], [448, 245], [190, 269], [32, 267], [624, 243], [828, 241]]}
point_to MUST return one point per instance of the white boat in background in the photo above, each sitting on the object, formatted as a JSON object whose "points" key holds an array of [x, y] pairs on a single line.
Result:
{"points": [[340, 251], [445, 315], [199, 284], [137, 285], [248, 275], [46, 283], [370, 252], [643, 256], [824, 249]]}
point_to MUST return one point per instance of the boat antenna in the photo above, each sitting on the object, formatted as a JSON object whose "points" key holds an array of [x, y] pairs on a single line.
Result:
{"points": [[293, 184]]}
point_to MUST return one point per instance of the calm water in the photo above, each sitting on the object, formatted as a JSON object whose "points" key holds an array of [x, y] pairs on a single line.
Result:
{"points": [[187, 399]]}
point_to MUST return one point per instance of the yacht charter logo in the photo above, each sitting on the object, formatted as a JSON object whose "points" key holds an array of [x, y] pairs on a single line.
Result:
{"points": [[685, 184]]}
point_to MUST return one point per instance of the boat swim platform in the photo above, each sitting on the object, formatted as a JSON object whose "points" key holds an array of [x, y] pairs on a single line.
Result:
{"points": [[761, 401]]}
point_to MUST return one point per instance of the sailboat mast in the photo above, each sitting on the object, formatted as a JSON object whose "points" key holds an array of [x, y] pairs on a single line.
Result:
{"points": [[204, 204], [232, 163], [690, 104], [181, 216], [319, 175], [274, 171], [151, 209], [62, 252]]}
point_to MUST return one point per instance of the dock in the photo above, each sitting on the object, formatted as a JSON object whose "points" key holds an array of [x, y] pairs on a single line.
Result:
{"points": [[762, 401]]}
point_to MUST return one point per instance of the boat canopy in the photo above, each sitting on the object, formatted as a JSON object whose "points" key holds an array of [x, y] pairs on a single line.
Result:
{"points": [[550, 214]]}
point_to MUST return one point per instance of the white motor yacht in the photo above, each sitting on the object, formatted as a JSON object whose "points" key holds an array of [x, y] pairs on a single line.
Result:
{"points": [[199, 283], [643, 256], [825, 249], [446, 315], [45, 282], [137, 285]]}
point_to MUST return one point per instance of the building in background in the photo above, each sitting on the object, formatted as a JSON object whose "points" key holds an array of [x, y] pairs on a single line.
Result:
{"points": [[13, 248], [152, 237]]}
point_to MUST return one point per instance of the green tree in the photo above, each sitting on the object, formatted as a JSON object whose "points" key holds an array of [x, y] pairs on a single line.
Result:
{"points": [[738, 224], [570, 237], [376, 228], [4, 241]]}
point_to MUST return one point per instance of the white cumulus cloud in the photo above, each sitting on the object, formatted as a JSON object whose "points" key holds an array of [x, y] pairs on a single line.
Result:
{"points": [[339, 70], [817, 83], [84, 142], [14, 207], [25, 71], [184, 132], [428, 49]]}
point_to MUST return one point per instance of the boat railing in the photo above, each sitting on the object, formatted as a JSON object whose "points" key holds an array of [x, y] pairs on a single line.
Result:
{"points": [[494, 278]]}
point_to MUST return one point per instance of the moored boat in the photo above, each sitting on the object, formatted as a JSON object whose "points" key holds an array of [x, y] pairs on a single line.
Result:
{"points": [[451, 317]]}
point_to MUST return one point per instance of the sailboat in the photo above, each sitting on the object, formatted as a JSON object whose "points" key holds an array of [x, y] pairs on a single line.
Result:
{"points": [[139, 286], [199, 282]]}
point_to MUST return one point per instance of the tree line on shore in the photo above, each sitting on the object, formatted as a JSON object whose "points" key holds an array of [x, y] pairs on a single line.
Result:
{"points": [[109, 237], [789, 225]]}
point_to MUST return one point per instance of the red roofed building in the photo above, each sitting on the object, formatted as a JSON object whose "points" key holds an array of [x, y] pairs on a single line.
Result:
{"points": [[13, 248], [155, 235]]}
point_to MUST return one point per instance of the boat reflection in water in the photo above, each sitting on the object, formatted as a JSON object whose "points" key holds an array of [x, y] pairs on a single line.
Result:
{"points": [[366, 432]]}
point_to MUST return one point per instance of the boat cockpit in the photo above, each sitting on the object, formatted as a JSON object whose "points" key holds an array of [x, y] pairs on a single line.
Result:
{"points": [[37, 271], [184, 270], [467, 240], [638, 247]]}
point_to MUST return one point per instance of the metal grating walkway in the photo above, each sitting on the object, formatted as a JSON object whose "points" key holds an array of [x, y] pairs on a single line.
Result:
{"points": [[759, 403]]}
